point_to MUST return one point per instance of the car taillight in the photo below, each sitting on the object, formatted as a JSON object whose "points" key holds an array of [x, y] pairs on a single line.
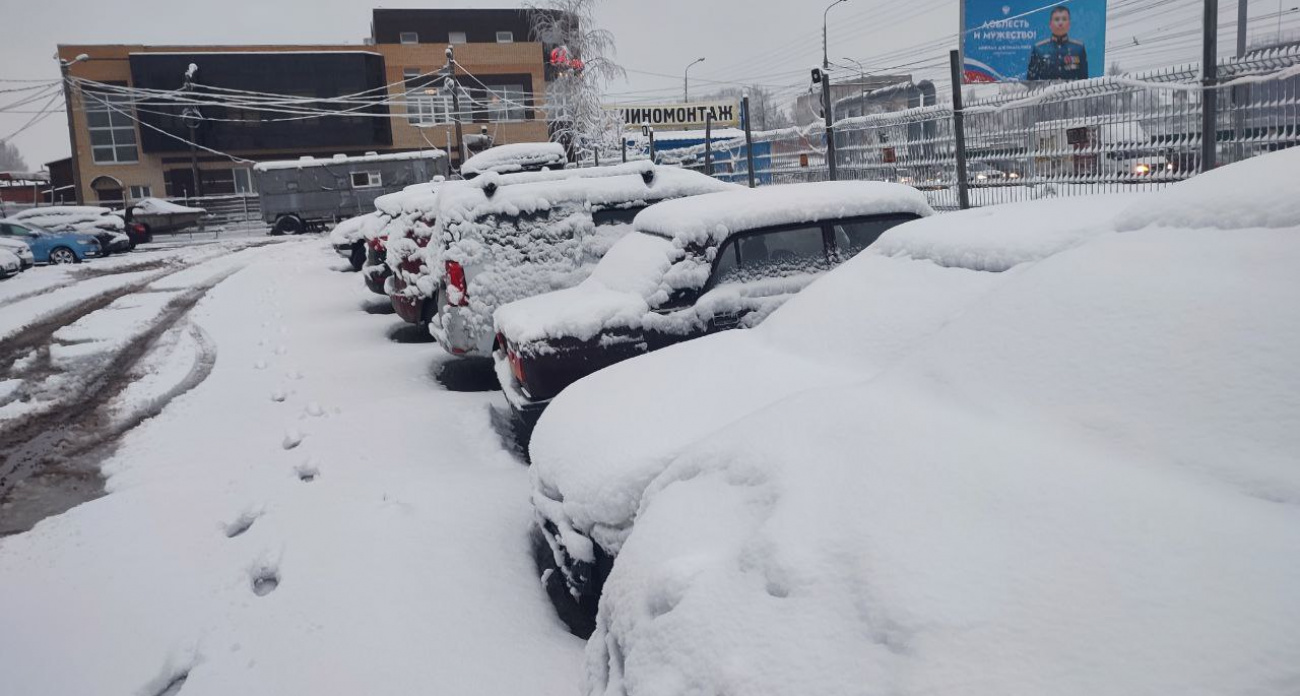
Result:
{"points": [[457, 291], [137, 228]]}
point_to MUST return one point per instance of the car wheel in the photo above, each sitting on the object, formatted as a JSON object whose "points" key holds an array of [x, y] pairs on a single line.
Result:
{"points": [[358, 257], [63, 255], [288, 224]]}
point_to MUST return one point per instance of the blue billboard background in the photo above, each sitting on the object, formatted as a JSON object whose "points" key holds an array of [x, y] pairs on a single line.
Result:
{"points": [[1000, 35]]}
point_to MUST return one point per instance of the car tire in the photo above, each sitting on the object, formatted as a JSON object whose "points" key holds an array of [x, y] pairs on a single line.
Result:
{"points": [[358, 256], [63, 255], [288, 224]]}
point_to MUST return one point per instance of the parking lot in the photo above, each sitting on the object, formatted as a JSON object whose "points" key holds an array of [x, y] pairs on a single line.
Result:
{"points": [[631, 430]]}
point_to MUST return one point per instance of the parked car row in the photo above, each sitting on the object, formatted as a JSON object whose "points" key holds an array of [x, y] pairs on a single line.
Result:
{"points": [[911, 357], [72, 234]]}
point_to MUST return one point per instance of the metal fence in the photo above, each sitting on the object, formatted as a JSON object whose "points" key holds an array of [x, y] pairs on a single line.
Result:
{"points": [[1117, 133]]}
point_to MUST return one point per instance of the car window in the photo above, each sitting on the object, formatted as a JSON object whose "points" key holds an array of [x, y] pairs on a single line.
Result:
{"points": [[774, 254], [615, 216], [852, 236]]}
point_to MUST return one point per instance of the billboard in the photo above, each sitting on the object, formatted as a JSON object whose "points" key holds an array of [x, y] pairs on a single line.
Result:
{"points": [[725, 113], [1014, 40]]}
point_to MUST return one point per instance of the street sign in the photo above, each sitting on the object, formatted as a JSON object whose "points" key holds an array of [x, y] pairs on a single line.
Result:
{"points": [[1014, 40], [692, 115]]}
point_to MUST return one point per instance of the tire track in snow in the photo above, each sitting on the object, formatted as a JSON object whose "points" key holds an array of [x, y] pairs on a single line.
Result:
{"points": [[51, 459]]}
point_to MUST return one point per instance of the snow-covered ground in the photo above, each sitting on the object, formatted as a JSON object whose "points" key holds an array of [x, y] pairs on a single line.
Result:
{"points": [[316, 516]]}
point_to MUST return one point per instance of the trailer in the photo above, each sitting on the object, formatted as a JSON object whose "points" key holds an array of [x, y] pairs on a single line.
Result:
{"points": [[309, 193]]}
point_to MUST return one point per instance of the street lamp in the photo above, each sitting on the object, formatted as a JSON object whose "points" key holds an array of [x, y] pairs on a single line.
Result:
{"points": [[686, 81], [826, 63]]}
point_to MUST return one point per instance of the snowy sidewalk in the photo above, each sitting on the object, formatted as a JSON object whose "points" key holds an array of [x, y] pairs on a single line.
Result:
{"points": [[318, 516]]}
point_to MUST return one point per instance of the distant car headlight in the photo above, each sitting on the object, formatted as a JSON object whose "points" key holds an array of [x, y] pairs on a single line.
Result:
{"points": [[980, 177], [1013, 175], [1141, 168]]}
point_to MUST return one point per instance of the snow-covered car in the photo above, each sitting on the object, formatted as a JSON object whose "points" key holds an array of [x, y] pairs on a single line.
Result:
{"points": [[160, 216], [849, 325], [515, 157], [501, 238], [10, 264], [102, 223], [693, 267], [348, 238], [51, 247], [19, 248], [1081, 482]]}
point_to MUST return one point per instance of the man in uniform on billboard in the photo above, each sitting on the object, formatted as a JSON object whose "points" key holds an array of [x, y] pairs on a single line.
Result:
{"points": [[1059, 57]]}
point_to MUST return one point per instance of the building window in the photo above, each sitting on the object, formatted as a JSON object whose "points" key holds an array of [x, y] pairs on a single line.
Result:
{"points": [[505, 37], [112, 132], [506, 103], [138, 192], [366, 180], [457, 37], [409, 37]]}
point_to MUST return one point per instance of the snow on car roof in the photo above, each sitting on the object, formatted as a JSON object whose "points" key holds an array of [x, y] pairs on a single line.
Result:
{"points": [[1258, 192], [158, 206], [61, 210], [357, 228], [305, 162], [514, 157], [998, 237], [716, 216], [624, 184]]}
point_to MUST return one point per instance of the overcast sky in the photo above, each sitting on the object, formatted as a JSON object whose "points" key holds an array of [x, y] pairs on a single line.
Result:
{"points": [[771, 42]]}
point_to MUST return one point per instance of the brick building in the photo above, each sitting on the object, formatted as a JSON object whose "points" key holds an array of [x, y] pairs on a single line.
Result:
{"points": [[131, 145]]}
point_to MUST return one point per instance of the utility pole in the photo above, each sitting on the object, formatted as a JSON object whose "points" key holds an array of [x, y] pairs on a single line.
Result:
{"points": [[959, 130], [826, 63], [1209, 73], [686, 81], [829, 117], [455, 104], [64, 68], [749, 138], [191, 117]]}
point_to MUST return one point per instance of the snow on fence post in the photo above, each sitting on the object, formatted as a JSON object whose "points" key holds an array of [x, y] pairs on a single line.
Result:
{"points": [[708, 144], [749, 139]]}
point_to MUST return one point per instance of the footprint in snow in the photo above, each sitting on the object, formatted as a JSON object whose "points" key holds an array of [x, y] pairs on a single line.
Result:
{"points": [[292, 438], [314, 410], [265, 578], [281, 350], [279, 395], [307, 472], [242, 524], [294, 374], [259, 365]]}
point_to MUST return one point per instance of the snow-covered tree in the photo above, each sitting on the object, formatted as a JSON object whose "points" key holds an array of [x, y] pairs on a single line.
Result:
{"points": [[573, 98], [11, 160], [764, 108]]}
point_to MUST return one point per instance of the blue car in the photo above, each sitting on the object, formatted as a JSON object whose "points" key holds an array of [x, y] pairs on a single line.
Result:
{"points": [[52, 247]]}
